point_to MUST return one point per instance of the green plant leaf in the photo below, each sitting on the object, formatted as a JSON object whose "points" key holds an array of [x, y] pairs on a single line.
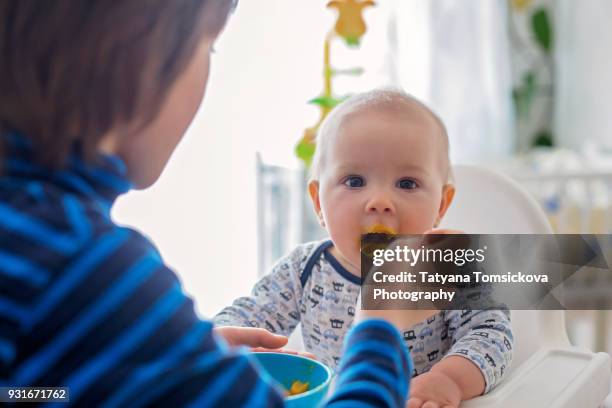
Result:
{"points": [[325, 101], [305, 152], [543, 138], [352, 42], [523, 95], [540, 24]]}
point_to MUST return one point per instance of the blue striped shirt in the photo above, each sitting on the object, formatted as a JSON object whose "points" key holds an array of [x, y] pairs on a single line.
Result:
{"points": [[90, 305]]}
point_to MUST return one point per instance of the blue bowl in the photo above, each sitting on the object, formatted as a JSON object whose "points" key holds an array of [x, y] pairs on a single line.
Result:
{"points": [[287, 368]]}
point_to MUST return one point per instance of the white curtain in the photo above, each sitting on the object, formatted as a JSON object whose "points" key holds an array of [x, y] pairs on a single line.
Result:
{"points": [[454, 56], [584, 77]]}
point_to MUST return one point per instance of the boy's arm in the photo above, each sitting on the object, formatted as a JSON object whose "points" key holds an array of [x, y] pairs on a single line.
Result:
{"points": [[274, 301], [9, 327], [375, 368], [482, 340]]}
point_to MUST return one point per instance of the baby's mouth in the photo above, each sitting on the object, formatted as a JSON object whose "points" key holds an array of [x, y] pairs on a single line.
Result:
{"points": [[378, 233], [380, 229], [377, 236]]}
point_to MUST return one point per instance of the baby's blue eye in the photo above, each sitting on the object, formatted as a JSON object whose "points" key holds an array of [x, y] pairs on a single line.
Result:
{"points": [[407, 184], [354, 181]]}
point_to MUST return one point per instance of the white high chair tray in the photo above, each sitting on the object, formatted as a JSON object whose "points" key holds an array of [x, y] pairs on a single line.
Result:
{"points": [[556, 378]]}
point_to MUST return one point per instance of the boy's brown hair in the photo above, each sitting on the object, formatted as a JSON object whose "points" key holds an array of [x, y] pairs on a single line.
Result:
{"points": [[72, 70]]}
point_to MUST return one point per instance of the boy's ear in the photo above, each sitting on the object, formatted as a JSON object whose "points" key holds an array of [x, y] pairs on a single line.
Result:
{"points": [[448, 193], [313, 191]]}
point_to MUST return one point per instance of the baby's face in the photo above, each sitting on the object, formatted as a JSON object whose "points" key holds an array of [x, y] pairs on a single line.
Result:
{"points": [[384, 169]]}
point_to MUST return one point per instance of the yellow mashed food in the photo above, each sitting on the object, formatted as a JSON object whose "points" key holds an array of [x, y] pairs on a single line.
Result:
{"points": [[297, 387], [380, 229]]}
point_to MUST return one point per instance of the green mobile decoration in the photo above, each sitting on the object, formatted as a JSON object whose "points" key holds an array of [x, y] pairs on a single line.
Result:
{"points": [[350, 27]]}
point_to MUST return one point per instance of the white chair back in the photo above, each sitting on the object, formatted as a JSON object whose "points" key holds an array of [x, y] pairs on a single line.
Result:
{"points": [[487, 202]]}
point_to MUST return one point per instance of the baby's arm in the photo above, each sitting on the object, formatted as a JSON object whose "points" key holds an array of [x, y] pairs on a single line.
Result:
{"points": [[477, 361], [273, 304], [485, 338]]}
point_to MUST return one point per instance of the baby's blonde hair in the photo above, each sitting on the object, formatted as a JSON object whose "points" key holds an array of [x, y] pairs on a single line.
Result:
{"points": [[382, 98]]}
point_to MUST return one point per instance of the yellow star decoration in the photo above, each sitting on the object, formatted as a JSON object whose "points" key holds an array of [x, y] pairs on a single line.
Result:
{"points": [[350, 24], [520, 5]]}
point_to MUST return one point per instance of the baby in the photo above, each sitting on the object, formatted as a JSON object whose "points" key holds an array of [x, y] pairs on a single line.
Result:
{"points": [[382, 163]]}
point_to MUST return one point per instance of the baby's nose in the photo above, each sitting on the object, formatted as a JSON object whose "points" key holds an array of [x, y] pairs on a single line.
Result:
{"points": [[381, 203]]}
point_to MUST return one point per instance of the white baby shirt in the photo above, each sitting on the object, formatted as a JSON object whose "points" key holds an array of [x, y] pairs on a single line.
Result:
{"points": [[310, 286]]}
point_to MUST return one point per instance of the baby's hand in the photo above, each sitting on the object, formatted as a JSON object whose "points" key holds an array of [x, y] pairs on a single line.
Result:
{"points": [[433, 389]]}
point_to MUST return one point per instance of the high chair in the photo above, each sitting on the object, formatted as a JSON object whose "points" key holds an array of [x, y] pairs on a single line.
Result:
{"points": [[547, 370]]}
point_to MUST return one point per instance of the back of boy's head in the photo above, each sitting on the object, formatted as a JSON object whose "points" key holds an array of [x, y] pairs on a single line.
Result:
{"points": [[385, 99], [73, 70]]}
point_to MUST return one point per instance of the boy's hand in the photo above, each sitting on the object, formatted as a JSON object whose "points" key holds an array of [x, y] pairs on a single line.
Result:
{"points": [[433, 390], [260, 340], [251, 337]]}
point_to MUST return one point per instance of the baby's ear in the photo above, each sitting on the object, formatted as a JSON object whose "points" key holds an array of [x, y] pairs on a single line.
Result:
{"points": [[313, 191], [448, 193]]}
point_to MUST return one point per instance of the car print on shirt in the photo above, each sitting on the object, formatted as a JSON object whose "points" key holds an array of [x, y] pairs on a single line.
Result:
{"points": [[336, 323], [331, 295], [260, 316], [409, 335], [478, 359], [270, 327], [269, 307], [490, 360], [330, 334], [425, 332], [318, 290], [243, 314], [484, 326], [444, 334], [314, 302]]}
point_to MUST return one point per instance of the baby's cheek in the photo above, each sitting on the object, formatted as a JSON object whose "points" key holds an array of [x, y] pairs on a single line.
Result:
{"points": [[347, 241], [420, 219]]}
